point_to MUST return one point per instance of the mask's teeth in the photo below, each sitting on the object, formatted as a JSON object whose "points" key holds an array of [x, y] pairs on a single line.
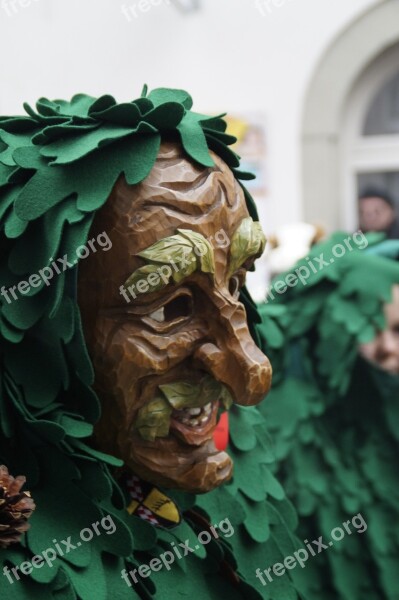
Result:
{"points": [[193, 417]]}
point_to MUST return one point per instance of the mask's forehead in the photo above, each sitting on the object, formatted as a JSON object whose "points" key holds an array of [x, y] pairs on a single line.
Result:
{"points": [[176, 194]]}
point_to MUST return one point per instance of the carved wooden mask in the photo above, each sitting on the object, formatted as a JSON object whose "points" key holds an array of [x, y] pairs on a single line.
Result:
{"points": [[166, 332]]}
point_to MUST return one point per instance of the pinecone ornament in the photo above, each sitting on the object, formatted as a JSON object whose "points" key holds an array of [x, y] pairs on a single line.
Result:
{"points": [[15, 508]]}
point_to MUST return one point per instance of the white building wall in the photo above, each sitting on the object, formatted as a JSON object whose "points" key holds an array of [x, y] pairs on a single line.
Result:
{"points": [[229, 56]]}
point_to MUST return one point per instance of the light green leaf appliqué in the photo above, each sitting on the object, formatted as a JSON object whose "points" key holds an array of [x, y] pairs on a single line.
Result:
{"points": [[249, 240], [145, 274], [183, 394], [204, 250], [167, 249], [174, 257], [153, 419]]}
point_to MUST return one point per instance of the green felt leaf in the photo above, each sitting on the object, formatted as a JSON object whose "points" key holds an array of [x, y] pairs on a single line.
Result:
{"points": [[46, 237], [257, 522], [95, 480], [229, 157], [100, 104], [24, 312], [227, 139], [219, 503], [7, 197], [274, 336], [244, 175], [70, 150], [166, 116], [126, 114], [161, 96], [51, 185], [194, 141], [76, 428], [45, 430], [77, 354], [12, 142], [87, 450], [242, 431]]}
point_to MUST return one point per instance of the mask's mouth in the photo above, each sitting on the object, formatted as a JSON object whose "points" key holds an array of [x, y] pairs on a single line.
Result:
{"points": [[194, 417], [188, 410], [194, 429]]}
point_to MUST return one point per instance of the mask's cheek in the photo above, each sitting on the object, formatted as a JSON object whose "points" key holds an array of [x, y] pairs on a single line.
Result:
{"points": [[155, 351], [129, 352]]}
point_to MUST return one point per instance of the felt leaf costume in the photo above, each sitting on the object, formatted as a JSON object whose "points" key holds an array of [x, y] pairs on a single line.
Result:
{"points": [[334, 417], [58, 166]]}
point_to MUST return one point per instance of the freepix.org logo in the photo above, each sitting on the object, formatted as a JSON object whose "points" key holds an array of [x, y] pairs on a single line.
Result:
{"points": [[313, 548], [59, 549], [133, 11], [54, 268], [268, 7], [177, 551]]}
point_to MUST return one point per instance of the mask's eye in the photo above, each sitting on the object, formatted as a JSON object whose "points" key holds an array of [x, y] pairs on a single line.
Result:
{"points": [[176, 309], [158, 315]]}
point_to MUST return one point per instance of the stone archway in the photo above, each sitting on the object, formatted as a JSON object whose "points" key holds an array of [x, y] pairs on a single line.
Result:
{"points": [[358, 46]]}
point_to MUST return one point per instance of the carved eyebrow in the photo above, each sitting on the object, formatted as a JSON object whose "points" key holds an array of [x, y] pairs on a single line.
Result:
{"points": [[172, 259], [248, 241]]}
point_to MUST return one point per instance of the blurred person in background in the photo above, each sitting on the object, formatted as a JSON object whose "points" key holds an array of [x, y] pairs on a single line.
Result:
{"points": [[383, 350], [333, 339], [377, 212]]}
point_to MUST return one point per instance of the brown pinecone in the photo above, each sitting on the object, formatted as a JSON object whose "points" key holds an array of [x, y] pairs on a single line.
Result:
{"points": [[15, 508]]}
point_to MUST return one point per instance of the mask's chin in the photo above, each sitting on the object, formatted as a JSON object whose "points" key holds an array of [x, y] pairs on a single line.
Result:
{"points": [[171, 463]]}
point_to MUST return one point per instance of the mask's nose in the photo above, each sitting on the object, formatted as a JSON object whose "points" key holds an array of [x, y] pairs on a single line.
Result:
{"points": [[233, 357]]}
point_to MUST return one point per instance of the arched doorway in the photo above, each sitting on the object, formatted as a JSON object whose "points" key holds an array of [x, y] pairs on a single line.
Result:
{"points": [[349, 136], [370, 134]]}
